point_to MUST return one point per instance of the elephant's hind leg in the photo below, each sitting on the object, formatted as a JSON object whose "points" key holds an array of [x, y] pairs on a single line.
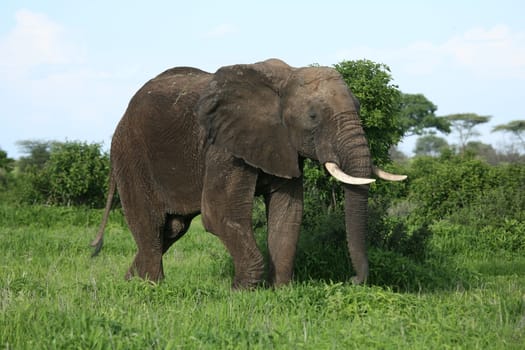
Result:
{"points": [[146, 266], [147, 225], [148, 260]]}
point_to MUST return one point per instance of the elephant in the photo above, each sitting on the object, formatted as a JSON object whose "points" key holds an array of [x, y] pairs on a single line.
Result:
{"points": [[193, 142]]}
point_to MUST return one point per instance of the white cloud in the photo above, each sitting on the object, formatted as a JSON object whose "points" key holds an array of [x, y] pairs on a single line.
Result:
{"points": [[51, 90], [221, 31], [34, 41], [495, 52]]}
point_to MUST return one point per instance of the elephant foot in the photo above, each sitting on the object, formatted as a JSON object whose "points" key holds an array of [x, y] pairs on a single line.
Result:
{"points": [[242, 285], [146, 270], [251, 279], [356, 280], [150, 277]]}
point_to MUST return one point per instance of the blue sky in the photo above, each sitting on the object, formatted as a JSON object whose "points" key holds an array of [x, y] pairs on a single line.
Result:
{"points": [[68, 68]]}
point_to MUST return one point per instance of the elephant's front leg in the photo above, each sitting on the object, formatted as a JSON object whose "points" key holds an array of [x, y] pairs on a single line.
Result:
{"points": [[227, 201], [284, 207]]}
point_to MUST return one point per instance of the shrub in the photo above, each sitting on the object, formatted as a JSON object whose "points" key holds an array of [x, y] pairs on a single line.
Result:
{"points": [[481, 203], [36, 152], [390, 227], [76, 173], [451, 238], [6, 166], [322, 251], [441, 187], [480, 214]]}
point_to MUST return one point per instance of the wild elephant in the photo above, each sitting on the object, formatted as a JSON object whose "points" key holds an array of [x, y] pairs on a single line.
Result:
{"points": [[192, 142]]}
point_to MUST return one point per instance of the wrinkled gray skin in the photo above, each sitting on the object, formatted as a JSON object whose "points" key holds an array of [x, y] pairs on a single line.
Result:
{"points": [[191, 142]]}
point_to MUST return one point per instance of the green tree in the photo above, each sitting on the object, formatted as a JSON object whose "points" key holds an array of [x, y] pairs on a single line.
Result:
{"points": [[380, 101], [464, 124], [515, 127], [37, 154], [6, 163], [430, 145], [6, 166], [396, 155], [483, 151], [417, 113], [75, 173]]}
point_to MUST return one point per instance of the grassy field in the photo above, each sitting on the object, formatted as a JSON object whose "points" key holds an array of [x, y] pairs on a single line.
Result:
{"points": [[54, 296]]}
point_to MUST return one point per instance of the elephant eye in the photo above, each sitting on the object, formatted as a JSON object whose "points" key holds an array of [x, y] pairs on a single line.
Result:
{"points": [[313, 115]]}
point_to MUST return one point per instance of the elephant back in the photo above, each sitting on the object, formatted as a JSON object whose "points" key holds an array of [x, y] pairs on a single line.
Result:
{"points": [[159, 138]]}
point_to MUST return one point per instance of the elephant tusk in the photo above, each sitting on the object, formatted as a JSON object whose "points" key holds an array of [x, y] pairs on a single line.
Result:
{"points": [[387, 176], [340, 175]]}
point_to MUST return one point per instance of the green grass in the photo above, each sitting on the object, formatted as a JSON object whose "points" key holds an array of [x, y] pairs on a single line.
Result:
{"points": [[54, 296]]}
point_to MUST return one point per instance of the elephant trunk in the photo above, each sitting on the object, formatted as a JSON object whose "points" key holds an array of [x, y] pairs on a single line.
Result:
{"points": [[349, 161], [354, 159], [356, 214]]}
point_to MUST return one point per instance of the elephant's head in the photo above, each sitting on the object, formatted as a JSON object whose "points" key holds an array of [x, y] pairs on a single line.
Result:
{"points": [[271, 114]]}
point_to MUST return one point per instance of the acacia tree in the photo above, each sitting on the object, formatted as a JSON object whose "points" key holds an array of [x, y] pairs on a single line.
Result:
{"points": [[515, 127], [464, 124], [37, 153], [417, 114]]}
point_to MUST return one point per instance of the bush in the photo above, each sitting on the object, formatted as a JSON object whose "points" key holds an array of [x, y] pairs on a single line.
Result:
{"points": [[447, 185], [467, 191], [472, 208], [455, 239], [6, 166], [390, 226], [483, 207], [76, 173], [322, 251]]}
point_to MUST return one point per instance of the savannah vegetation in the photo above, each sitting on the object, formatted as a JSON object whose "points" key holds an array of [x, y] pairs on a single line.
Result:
{"points": [[447, 250]]}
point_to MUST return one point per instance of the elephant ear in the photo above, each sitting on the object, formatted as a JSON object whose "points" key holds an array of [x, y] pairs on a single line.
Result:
{"points": [[241, 111]]}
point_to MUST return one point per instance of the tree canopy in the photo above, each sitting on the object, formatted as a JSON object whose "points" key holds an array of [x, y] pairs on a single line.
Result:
{"points": [[515, 127], [430, 145], [37, 153], [380, 103], [387, 113], [6, 166], [6, 163], [464, 124], [417, 113]]}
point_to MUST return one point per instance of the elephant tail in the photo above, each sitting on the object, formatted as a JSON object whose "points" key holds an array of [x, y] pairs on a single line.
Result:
{"points": [[99, 240]]}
